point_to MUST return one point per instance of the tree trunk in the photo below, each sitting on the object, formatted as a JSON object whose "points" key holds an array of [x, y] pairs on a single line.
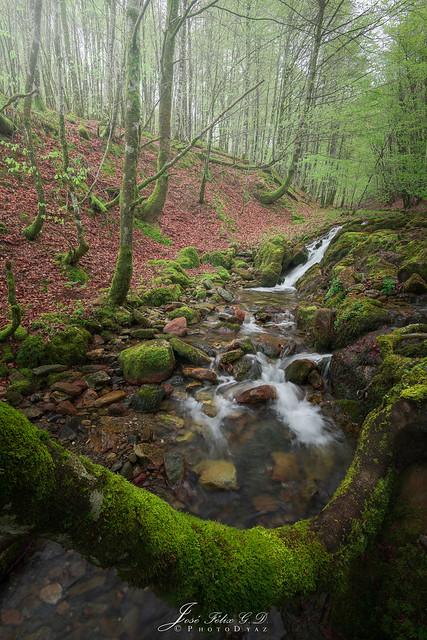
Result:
{"points": [[114, 523], [76, 101], [153, 207], [123, 270], [33, 230], [273, 196]]}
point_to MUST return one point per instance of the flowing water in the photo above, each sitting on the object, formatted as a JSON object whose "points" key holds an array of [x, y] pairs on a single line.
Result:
{"points": [[288, 456]]}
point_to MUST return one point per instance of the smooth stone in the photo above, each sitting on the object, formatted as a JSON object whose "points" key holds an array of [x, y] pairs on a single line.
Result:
{"points": [[176, 327], [299, 370], [225, 295], [45, 369], [217, 474], [199, 373], [109, 398], [51, 593], [257, 395], [174, 467]]}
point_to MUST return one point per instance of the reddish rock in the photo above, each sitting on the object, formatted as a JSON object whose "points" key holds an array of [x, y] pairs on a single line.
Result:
{"points": [[199, 373], [257, 395], [11, 616], [66, 408], [87, 399], [239, 314], [109, 398], [168, 389], [72, 389], [177, 327], [139, 479], [117, 409]]}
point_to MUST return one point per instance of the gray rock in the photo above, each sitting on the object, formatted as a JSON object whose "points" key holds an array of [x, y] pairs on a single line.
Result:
{"points": [[225, 295], [45, 369]]}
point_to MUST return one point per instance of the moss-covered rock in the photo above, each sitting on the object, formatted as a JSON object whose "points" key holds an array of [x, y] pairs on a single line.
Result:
{"points": [[67, 346], [356, 316], [191, 315], [148, 398], [415, 284], [271, 258], [188, 353], [170, 272], [188, 258], [299, 370], [219, 258], [318, 322], [159, 296], [112, 317], [148, 362]]}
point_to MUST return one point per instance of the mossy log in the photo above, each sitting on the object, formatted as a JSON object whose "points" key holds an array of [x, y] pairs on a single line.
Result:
{"points": [[46, 490]]}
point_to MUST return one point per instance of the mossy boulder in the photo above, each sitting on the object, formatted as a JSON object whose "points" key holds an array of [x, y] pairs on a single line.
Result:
{"points": [[415, 261], [271, 258], [111, 317], [188, 353], [170, 272], [191, 315], [356, 316], [67, 346], [188, 258], [299, 370], [219, 258], [415, 284], [148, 398], [148, 362], [318, 322], [159, 296]]}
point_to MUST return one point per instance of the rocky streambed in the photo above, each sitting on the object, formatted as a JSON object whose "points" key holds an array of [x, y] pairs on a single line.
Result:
{"points": [[224, 407]]}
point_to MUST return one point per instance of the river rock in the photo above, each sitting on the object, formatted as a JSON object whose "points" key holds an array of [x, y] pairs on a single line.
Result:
{"points": [[45, 369], [174, 467], [176, 327], [257, 395], [415, 284], [109, 398], [229, 357], [225, 295], [97, 379], [71, 389], [148, 362], [199, 373], [285, 466], [148, 398], [217, 474], [299, 370], [247, 368], [188, 353]]}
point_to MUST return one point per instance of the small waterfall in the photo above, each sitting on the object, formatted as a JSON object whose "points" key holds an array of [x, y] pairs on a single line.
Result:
{"points": [[249, 325], [316, 251], [303, 418]]}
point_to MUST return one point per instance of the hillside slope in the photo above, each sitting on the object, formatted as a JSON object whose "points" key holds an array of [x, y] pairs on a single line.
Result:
{"points": [[229, 214]]}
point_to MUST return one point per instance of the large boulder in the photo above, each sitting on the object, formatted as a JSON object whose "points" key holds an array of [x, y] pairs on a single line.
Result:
{"points": [[176, 327], [272, 256], [318, 322], [148, 362], [299, 370], [415, 284]]}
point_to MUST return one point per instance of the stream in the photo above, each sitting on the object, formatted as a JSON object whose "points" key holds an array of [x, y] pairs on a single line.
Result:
{"points": [[278, 461]]}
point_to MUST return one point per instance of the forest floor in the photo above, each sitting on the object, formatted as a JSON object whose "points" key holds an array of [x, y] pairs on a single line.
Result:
{"points": [[230, 214]]}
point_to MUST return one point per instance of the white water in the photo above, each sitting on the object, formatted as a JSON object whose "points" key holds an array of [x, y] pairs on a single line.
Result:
{"points": [[316, 251], [303, 418], [291, 407]]}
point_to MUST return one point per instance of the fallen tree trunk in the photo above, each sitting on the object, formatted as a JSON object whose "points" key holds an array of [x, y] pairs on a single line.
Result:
{"points": [[46, 490]]}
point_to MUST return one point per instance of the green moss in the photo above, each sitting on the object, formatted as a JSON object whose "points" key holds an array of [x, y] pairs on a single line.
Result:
{"points": [[356, 316], [22, 448], [148, 398], [20, 334], [192, 316], [147, 362], [67, 346], [83, 133], [97, 205], [188, 353], [417, 393], [188, 258], [219, 258], [112, 317], [152, 231], [33, 352], [162, 295], [271, 258]]}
